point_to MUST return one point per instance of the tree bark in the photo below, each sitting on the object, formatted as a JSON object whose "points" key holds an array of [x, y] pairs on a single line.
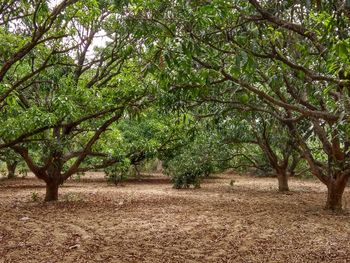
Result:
{"points": [[159, 166], [137, 173], [293, 165], [51, 191], [335, 193], [11, 169], [282, 177]]}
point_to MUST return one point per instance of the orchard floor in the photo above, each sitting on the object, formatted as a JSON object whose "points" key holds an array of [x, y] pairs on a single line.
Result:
{"points": [[148, 221]]}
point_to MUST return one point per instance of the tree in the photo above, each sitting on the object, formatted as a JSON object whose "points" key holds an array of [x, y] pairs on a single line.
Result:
{"points": [[290, 56], [11, 159], [273, 140], [150, 135], [200, 155], [31, 37], [88, 90]]}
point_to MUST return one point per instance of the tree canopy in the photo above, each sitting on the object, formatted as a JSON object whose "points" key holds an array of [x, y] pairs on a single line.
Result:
{"points": [[203, 86]]}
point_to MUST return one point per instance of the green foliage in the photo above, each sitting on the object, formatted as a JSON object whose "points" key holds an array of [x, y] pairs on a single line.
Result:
{"points": [[186, 179], [117, 173], [202, 154], [185, 170], [78, 176], [199, 85], [291, 67], [35, 197]]}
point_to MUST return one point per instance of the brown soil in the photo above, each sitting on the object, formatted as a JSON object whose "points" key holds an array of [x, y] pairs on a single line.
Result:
{"points": [[148, 221]]}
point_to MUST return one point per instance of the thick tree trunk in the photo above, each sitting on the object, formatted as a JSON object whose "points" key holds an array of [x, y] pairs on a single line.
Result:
{"points": [[51, 191], [54, 178], [11, 170], [335, 193], [282, 177]]}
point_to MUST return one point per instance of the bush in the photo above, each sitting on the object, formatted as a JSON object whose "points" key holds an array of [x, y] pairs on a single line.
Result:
{"points": [[186, 179], [117, 173], [186, 171]]}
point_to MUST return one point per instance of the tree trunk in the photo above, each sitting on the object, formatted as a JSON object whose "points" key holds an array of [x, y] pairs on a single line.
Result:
{"points": [[293, 166], [51, 191], [159, 166], [335, 193], [11, 169], [282, 180], [137, 173]]}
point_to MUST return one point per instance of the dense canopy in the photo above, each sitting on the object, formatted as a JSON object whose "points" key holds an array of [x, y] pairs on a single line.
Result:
{"points": [[203, 86]]}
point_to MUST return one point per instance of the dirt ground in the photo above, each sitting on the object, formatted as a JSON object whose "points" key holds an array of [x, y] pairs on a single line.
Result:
{"points": [[148, 221]]}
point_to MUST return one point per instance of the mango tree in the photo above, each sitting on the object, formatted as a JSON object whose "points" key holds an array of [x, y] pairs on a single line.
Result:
{"points": [[291, 56], [30, 37], [91, 87], [273, 140], [11, 161]]}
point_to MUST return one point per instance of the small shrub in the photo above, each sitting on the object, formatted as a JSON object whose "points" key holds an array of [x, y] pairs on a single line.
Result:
{"points": [[185, 175], [35, 196], [78, 176], [117, 173], [185, 180], [23, 170], [115, 178]]}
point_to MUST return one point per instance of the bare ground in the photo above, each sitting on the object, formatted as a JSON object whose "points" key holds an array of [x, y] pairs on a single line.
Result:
{"points": [[149, 221]]}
